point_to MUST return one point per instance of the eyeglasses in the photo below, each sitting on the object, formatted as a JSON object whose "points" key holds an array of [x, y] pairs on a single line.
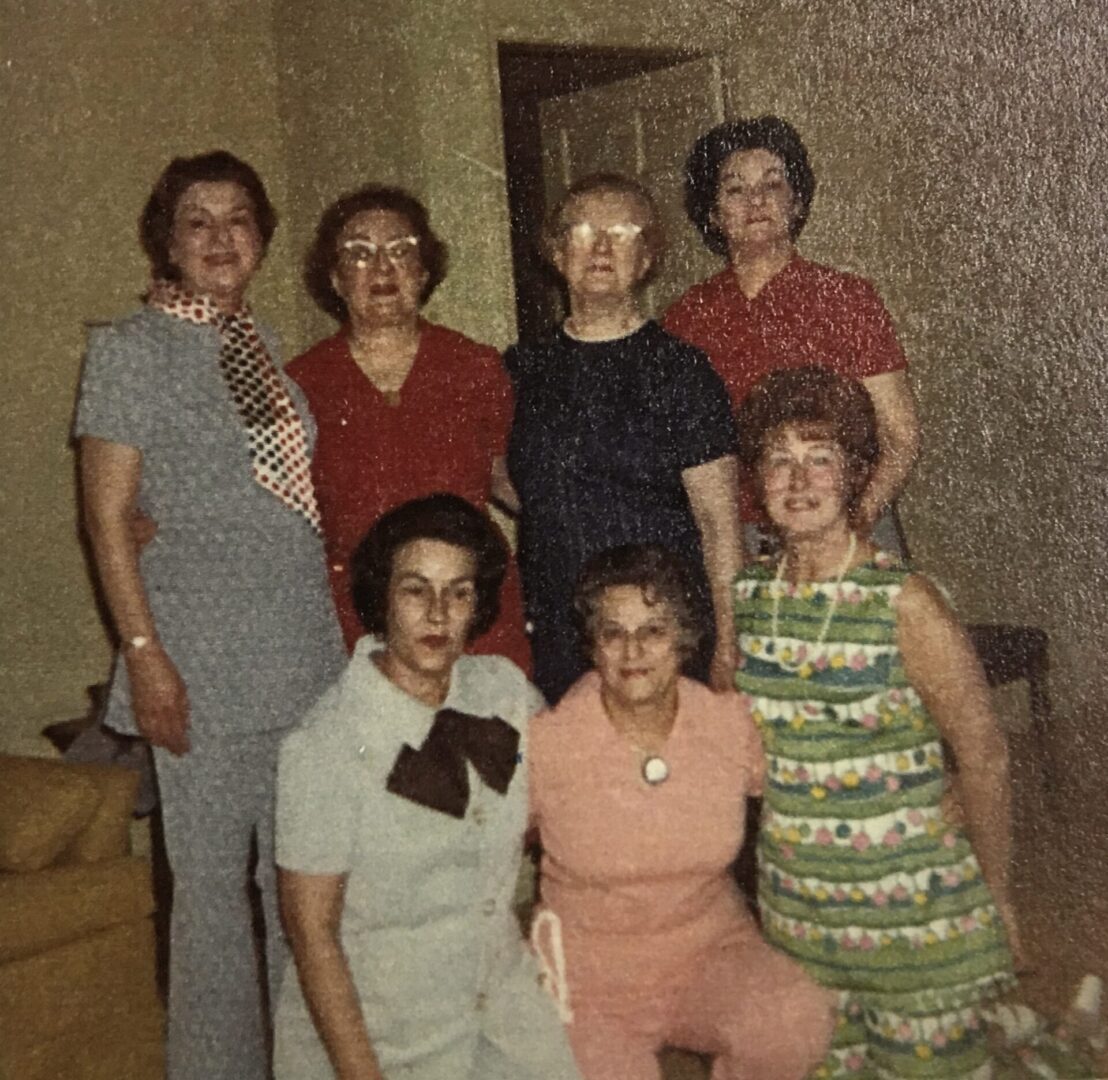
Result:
{"points": [[653, 634], [775, 188], [361, 253], [584, 234]]}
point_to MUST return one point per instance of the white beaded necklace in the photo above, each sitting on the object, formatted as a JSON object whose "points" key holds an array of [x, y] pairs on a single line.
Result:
{"points": [[777, 590]]}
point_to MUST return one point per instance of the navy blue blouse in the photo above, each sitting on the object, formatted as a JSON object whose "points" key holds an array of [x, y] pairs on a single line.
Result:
{"points": [[602, 433]]}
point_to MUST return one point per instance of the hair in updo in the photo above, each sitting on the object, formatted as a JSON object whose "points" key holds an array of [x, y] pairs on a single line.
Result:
{"points": [[444, 517], [713, 148], [816, 398], [323, 255]]}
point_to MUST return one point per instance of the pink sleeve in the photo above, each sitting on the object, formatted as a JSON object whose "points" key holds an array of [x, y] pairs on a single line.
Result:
{"points": [[534, 773]]}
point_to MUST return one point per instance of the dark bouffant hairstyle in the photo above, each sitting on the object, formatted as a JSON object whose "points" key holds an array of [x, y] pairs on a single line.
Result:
{"points": [[653, 234], [662, 576], [218, 166], [448, 518], [711, 150], [817, 397], [323, 255]]}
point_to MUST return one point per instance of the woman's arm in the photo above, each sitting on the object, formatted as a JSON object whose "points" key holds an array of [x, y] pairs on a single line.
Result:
{"points": [[713, 490], [941, 664], [311, 907], [501, 489], [110, 475], [898, 435]]}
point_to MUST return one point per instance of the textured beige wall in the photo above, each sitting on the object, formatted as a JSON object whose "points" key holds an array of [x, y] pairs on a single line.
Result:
{"points": [[960, 159], [962, 155], [96, 97]]}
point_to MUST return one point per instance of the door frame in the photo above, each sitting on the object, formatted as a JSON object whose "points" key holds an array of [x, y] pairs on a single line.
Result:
{"points": [[530, 74]]}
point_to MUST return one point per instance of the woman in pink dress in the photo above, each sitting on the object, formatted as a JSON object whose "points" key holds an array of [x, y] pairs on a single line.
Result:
{"points": [[639, 779]]}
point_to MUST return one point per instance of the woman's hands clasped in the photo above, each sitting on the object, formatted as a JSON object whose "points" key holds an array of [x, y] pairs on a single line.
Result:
{"points": [[159, 698]]}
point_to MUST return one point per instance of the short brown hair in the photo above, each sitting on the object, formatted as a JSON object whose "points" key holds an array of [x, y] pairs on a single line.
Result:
{"points": [[217, 166], [711, 151], [444, 517], [662, 577], [812, 396], [323, 255], [653, 234]]}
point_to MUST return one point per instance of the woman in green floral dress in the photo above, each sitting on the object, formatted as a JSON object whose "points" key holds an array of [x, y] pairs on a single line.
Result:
{"points": [[857, 670]]}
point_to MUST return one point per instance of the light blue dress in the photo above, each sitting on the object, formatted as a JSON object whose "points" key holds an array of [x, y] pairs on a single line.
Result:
{"points": [[448, 988]]}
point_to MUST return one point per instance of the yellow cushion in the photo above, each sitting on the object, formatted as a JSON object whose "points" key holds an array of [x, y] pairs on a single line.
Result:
{"points": [[62, 903], [107, 834], [43, 806], [86, 1010]]}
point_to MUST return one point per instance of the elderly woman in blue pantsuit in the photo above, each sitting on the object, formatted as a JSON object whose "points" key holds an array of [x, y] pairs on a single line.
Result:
{"points": [[401, 810]]}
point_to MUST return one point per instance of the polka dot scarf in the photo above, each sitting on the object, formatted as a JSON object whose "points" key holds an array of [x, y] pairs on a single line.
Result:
{"points": [[278, 445]]}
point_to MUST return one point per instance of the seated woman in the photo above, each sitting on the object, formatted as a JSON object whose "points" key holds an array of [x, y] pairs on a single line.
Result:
{"points": [[400, 820], [748, 191], [387, 381], [639, 780], [622, 434], [857, 670]]}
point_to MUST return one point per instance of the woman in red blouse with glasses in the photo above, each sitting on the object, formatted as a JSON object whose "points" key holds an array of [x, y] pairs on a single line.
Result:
{"points": [[405, 408]]}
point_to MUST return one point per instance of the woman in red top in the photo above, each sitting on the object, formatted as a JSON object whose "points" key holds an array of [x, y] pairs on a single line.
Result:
{"points": [[748, 190], [404, 407]]}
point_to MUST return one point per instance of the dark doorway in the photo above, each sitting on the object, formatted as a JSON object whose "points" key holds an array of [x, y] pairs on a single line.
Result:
{"points": [[530, 74]]}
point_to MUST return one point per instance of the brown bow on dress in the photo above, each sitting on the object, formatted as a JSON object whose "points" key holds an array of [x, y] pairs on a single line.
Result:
{"points": [[435, 775]]}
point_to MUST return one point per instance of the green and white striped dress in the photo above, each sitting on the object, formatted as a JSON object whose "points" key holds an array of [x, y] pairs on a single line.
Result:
{"points": [[860, 878]]}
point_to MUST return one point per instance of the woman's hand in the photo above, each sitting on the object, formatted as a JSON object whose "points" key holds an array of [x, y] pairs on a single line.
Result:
{"points": [[143, 529], [721, 674], [110, 478], [159, 698], [1007, 912]]}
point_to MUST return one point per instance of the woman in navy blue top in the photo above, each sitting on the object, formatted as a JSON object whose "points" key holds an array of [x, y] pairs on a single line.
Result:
{"points": [[622, 433]]}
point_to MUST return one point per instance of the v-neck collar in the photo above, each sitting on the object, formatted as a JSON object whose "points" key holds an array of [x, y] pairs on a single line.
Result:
{"points": [[356, 373], [775, 283]]}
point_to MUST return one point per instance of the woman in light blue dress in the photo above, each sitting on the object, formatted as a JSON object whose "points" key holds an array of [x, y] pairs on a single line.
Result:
{"points": [[401, 809]]}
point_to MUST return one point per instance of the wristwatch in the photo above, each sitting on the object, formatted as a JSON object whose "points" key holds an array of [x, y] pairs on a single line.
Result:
{"points": [[134, 644]]}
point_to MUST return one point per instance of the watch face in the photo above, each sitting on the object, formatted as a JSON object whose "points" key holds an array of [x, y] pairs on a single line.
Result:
{"points": [[654, 770]]}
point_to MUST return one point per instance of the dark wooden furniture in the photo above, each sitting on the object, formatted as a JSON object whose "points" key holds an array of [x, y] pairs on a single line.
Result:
{"points": [[1009, 653]]}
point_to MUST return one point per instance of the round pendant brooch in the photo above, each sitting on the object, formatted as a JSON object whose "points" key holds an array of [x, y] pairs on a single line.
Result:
{"points": [[655, 770]]}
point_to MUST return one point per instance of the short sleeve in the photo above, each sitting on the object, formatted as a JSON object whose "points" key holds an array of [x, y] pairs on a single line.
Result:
{"points": [[316, 806], [498, 399], [699, 422], [876, 350], [120, 398], [678, 318]]}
